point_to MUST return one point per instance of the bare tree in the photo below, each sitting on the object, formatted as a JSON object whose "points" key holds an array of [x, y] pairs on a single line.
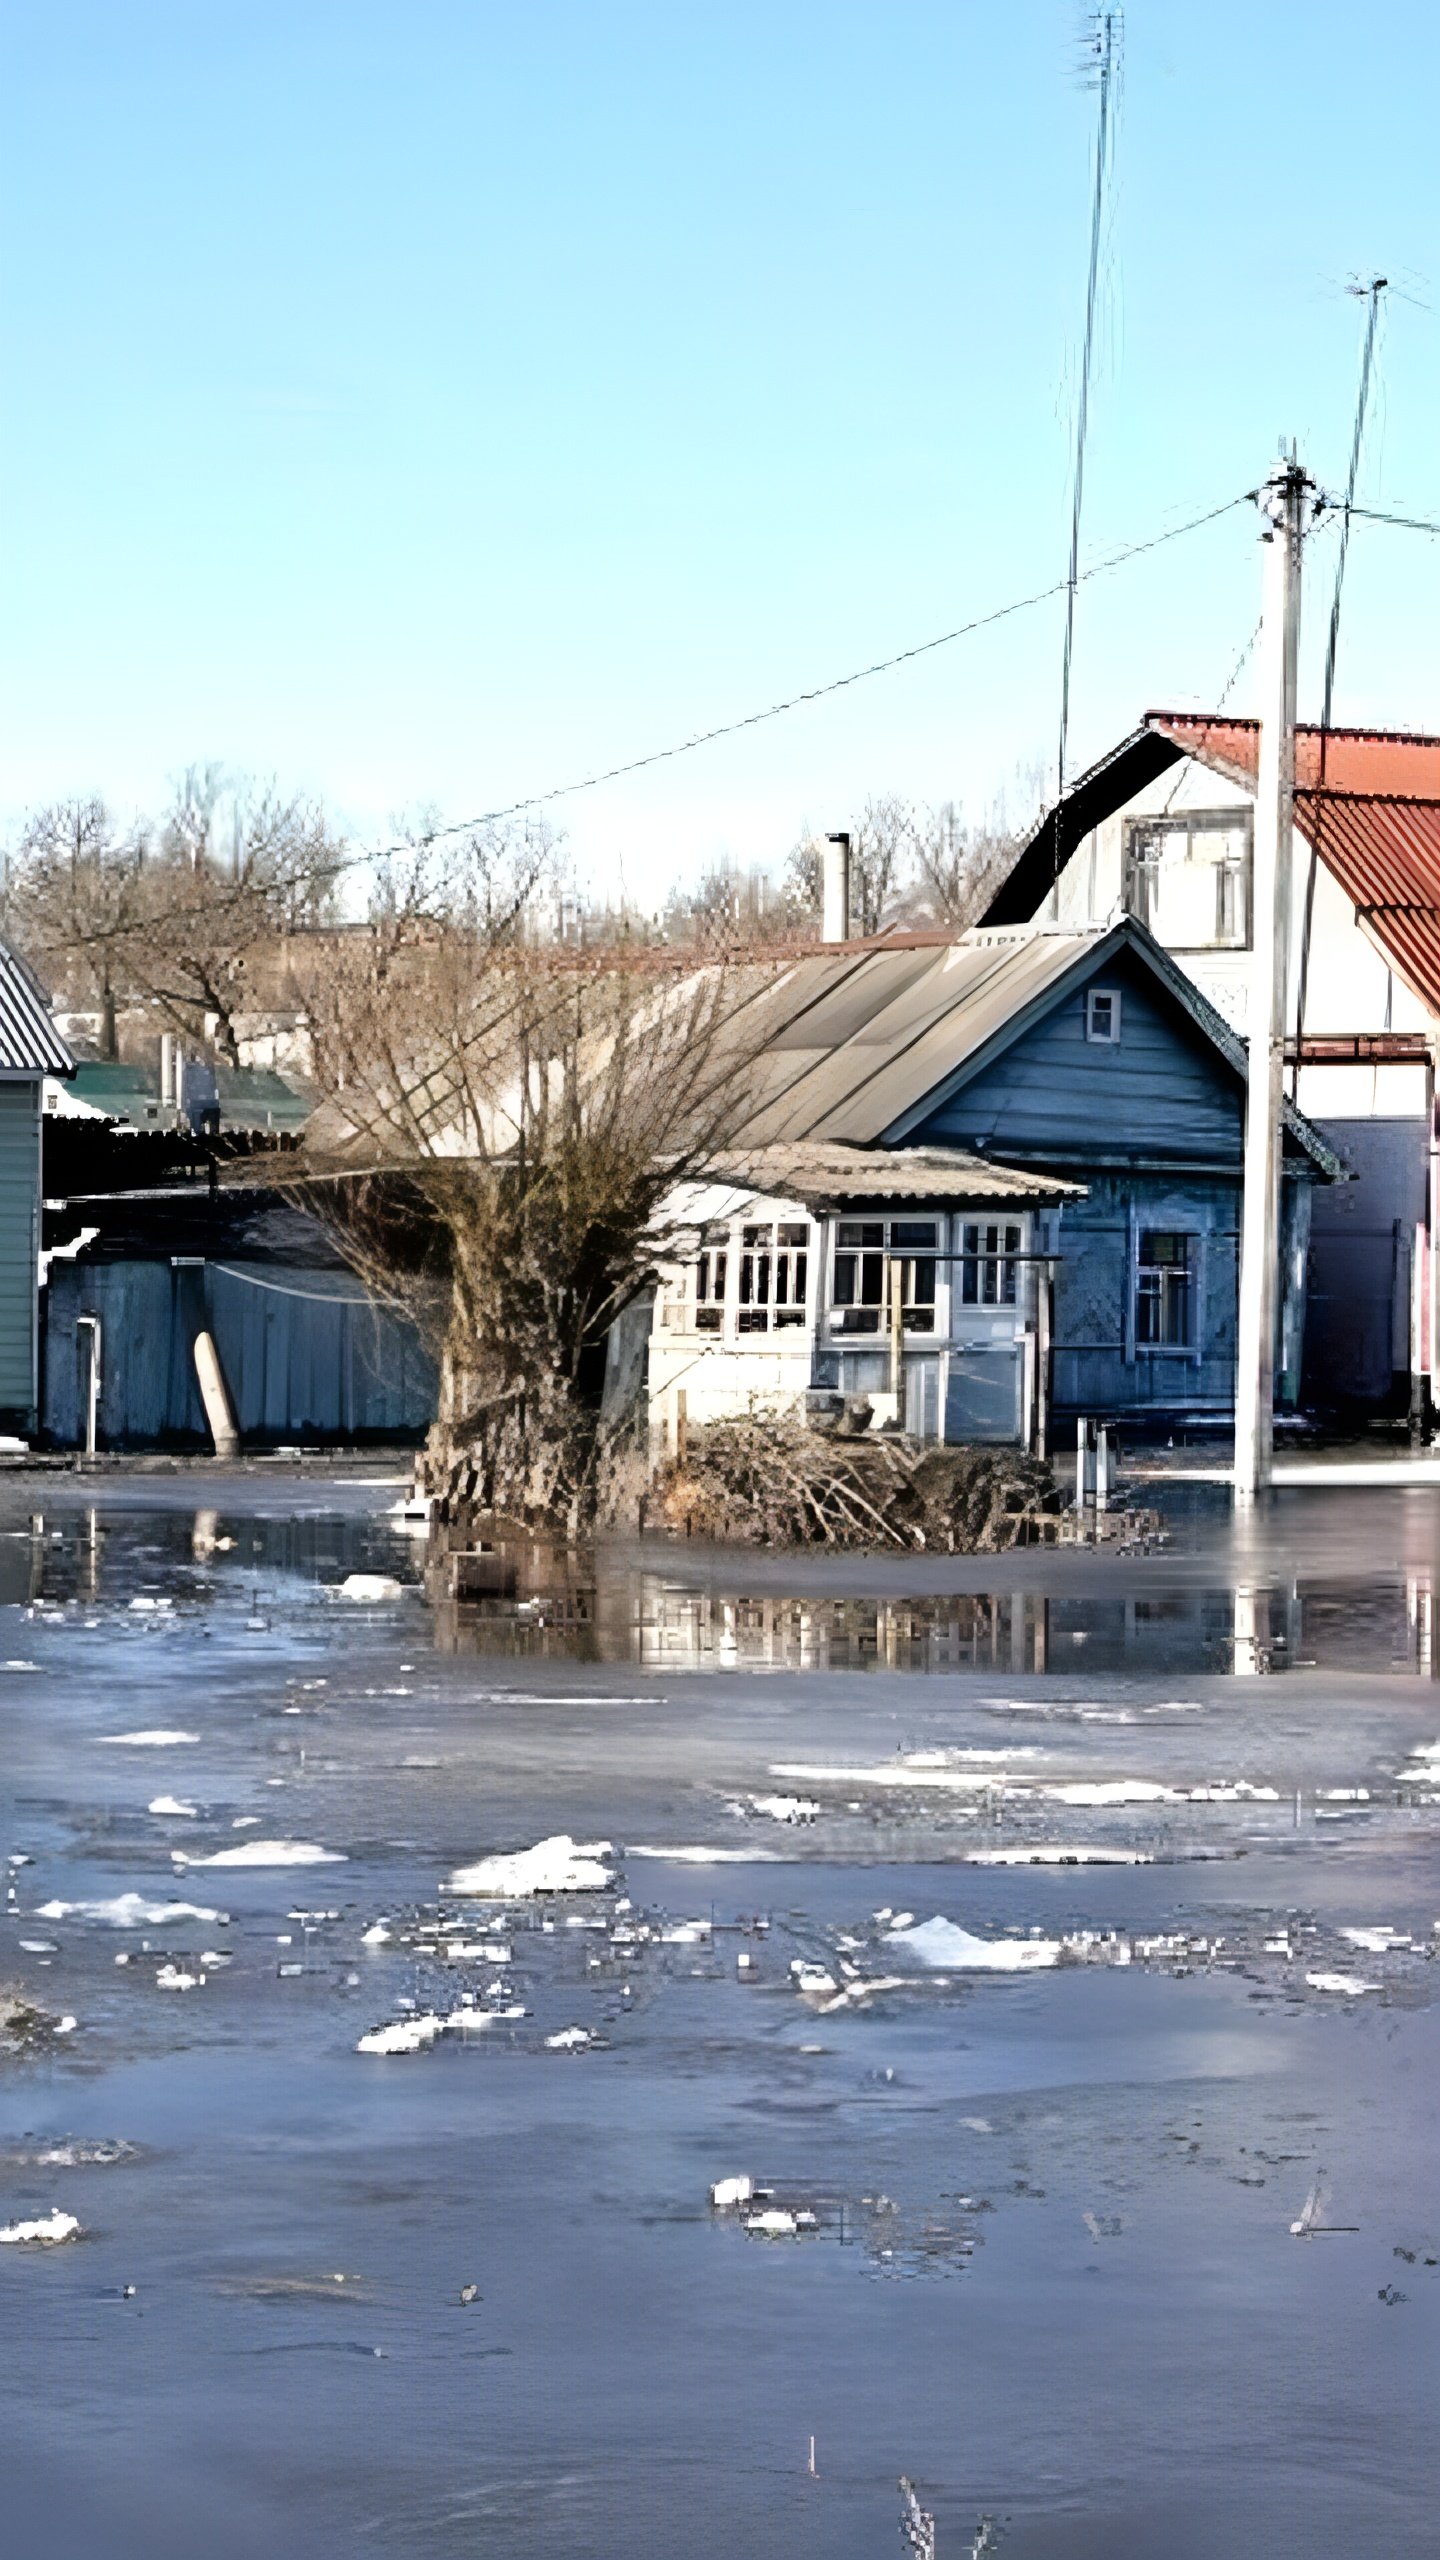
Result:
{"points": [[73, 895], [504, 1117], [228, 875], [957, 865], [880, 840]]}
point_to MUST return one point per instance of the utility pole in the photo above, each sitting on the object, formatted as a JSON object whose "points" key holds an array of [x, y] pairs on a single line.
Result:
{"points": [[1283, 502]]}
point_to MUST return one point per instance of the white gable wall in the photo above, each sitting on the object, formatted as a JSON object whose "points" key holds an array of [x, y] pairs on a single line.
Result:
{"points": [[1350, 988]]}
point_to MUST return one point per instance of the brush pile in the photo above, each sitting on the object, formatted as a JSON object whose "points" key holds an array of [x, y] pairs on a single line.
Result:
{"points": [[769, 1480]]}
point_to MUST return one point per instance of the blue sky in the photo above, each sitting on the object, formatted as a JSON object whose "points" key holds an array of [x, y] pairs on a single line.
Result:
{"points": [[427, 403]]}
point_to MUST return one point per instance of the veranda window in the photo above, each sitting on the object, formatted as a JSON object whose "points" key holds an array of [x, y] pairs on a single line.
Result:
{"points": [[710, 1275], [989, 1274], [774, 1276], [874, 1256]]}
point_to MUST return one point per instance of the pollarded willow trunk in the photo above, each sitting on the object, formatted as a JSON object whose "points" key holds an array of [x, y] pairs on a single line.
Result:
{"points": [[532, 1449]]}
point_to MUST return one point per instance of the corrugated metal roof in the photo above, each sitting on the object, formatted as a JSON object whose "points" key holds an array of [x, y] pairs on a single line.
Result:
{"points": [[818, 1173], [30, 1045], [853, 1046], [1375, 824]]}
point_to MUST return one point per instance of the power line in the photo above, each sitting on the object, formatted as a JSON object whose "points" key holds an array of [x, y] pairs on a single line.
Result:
{"points": [[837, 684], [1407, 524]]}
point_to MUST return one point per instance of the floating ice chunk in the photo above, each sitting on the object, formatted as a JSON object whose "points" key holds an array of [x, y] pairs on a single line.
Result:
{"points": [[367, 1586], [915, 1769], [172, 1805], [130, 1911], [1346, 1982], [947, 1948], [686, 1933], [19, 1666], [1343, 1795], [1234, 1791], [731, 2191], [269, 1853], [157, 1737], [1100, 1791], [569, 2040], [146, 1605], [377, 1935], [38, 1947], [776, 2224], [173, 1977], [785, 1808], [44, 2233], [556, 1865], [1376, 1941]]}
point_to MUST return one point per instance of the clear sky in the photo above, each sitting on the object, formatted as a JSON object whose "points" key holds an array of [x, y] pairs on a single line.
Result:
{"points": [[426, 401]]}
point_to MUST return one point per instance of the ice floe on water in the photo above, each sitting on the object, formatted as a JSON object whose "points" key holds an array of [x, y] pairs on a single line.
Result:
{"points": [[131, 1911], [569, 2040], [785, 1808], [1107, 1791], [947, 1948], [1054, 1854], [556, 1865], [939, 1769], [157, 1737], [173, 1977], [367, 1586], [173, 1805], [45, 2233], [1352, 1983], [728, 2192], [266, 1853], [1378, 1941]]}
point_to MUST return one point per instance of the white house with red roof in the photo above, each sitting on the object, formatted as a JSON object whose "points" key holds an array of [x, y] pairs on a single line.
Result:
{"points": [[1162, 829]]}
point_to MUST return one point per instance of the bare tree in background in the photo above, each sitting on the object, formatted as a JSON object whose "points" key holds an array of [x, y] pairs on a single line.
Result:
{"points": [[957, 865], [228, 876], [879, 847], [503, 1119], [73, 899]]}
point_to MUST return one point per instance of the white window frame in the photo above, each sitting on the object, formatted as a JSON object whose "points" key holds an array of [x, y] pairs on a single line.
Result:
{"points": [[914, 1311], [1094, 998]]}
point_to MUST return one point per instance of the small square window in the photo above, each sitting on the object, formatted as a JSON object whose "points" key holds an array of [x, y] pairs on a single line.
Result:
{"points": [[1102, 1015]]}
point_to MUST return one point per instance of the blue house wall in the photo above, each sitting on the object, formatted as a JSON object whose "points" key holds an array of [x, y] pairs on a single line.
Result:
{"points": [[1153, 1125]]}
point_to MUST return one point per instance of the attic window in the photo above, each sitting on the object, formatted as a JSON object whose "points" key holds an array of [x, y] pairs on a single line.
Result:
{"points": [[1102, 1015], [1188, 878]]}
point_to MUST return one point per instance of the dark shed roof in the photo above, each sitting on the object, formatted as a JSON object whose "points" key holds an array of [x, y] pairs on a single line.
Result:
{"points": [[30, 1045]]}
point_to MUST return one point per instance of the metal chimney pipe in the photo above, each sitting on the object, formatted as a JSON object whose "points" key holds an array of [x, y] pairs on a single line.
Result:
{"points": [[835, 913]]}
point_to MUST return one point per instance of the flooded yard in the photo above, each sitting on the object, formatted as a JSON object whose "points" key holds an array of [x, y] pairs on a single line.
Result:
{"points": [[1038, 1955]]}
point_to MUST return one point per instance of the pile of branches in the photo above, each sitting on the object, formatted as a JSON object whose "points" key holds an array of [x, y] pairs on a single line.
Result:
{"points": [[769, 1480]]}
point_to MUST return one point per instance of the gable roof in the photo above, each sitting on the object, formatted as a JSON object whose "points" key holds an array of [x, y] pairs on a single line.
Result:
{"points": [[826, 1175], [857, 1046], [1368, 801], [30, 1045]]}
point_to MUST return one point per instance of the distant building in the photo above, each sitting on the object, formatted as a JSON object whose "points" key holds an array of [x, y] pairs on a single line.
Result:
{"points": [[989, 1179], [30, 1050]]}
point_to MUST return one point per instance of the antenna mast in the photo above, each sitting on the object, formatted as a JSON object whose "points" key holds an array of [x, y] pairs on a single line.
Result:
{"points": [[1100, 62]]}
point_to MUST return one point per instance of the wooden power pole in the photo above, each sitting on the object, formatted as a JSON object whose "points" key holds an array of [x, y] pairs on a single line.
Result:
{"points": [[1283, 500]]}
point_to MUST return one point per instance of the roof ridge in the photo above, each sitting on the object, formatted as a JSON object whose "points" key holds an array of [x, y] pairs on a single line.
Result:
{"points": [[1303, 728]]}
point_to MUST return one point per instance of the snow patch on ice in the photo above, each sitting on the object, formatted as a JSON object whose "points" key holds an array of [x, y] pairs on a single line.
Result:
{"points": [[947, 1948], [1377, 1941], [1101, 1791], [706, 1857], [130, 1911], [156, 1737], [367, 1586], [1052, 1855], [269, 1853], [556, 1865], [414, 2034], [44, 2233], [785, 1808]]}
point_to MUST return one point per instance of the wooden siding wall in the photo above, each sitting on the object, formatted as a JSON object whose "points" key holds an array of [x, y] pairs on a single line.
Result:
{"points": [[19, 1243], [302, 1361], [1160, 1091]]}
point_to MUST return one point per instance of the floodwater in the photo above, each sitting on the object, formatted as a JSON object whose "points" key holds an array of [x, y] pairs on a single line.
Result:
{"points": [[1035, 2170]]}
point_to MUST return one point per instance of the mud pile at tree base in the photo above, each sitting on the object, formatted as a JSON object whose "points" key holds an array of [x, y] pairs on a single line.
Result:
{"points": [[770, 1481]]}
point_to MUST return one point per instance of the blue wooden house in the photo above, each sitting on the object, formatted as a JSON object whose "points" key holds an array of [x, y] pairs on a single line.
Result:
{"points": [[988, 1181], [30, 1050]]}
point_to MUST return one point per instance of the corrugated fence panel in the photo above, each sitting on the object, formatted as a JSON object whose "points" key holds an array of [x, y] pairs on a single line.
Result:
{"points": [[19, 1208], [303, 1357]]}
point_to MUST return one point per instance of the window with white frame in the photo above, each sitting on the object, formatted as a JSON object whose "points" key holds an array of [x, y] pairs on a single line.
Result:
{"points": [[1102, 1015], [1188, 878], [1164, 1290], [874, 1258], [989, 1271], [774, 1276], [710, 1276]]}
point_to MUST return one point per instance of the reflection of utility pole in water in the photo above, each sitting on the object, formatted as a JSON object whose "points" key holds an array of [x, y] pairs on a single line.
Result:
{"points": [[1252, 1629], [92, 1551], [1420, 1611]]}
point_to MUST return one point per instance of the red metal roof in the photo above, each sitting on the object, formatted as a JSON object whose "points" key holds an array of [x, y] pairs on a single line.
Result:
{"points": [[1375, 824]]}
